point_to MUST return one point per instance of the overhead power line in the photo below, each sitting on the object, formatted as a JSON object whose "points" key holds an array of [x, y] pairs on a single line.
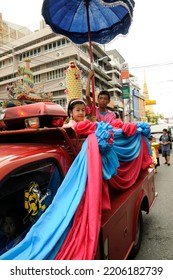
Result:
{"points": [[156, 65]]}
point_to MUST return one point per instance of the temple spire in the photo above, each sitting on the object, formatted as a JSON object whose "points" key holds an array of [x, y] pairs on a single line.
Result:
{"points": [[148, 108]]}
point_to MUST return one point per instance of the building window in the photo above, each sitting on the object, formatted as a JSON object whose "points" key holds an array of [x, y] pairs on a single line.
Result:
{"points": [[2, 64], [6, 62], [31, 53], [62, 102], [36, 79], [35, 69], [57, 44], [83, 49], [8, 77], [52, 75], [57, 62]]}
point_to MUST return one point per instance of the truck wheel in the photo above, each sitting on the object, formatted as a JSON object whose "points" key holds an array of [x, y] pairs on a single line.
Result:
{"points": [[138, 238]]}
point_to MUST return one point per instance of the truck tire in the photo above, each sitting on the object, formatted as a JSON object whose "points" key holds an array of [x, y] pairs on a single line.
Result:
{"points": [[138, 238]]}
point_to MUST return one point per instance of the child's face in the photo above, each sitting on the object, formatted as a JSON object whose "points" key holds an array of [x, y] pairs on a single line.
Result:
{"points": [[103, 101], [79, 112], [9, 227]]}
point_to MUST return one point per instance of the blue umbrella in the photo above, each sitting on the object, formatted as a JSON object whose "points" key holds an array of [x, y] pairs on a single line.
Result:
{"points": [[89, 20], [73, 18]]}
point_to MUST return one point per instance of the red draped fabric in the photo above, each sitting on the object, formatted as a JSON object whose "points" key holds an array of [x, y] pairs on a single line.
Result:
{"points": [[81, 241], [117, 123], [85, 127], [129, 129], [128, 172]]}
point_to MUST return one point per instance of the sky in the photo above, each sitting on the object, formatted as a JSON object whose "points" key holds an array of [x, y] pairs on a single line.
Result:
{"points": [[147, 48]]}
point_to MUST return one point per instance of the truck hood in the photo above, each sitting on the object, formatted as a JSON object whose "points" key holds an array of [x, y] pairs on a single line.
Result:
{"points": [[13, 156], [11, 151]]}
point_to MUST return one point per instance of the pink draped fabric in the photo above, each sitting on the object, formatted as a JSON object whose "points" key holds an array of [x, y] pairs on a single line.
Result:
{"points": [[85, 127], [81, 241], [129, 129], [117, 123]]}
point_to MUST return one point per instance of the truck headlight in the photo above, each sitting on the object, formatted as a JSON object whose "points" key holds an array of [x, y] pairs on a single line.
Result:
{"points": [[32, 122]]}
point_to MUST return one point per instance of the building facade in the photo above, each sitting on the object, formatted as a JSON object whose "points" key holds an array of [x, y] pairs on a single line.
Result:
{"points": [[10, 31], [50, 55]]}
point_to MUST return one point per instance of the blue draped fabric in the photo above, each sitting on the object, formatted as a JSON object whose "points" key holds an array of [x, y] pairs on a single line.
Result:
{"points": [[128, 148], [110, 161], [124, 148], [53, 186], [143, 128]]}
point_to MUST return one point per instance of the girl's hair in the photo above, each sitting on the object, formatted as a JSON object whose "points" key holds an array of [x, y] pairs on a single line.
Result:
{"points": [[73, 102]]}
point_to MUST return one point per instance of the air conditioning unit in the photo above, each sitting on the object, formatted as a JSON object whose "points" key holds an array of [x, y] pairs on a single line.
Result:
{"points": [[59, 53], [61, 84]]}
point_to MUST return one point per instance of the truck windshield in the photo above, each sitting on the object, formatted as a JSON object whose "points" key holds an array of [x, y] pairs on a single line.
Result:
{"points": [[24, 196]]}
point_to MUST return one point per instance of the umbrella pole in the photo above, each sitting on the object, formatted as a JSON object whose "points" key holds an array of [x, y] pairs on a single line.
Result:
{"points": [[91, 58]]}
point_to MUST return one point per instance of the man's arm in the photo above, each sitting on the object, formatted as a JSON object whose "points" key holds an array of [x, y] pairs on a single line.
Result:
{"points": [[88, 98]]}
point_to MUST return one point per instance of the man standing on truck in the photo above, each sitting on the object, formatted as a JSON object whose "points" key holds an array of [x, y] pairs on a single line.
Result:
{"points": [[102, 113], [165, 141]]}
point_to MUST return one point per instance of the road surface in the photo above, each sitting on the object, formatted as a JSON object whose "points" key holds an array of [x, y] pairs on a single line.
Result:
{"points": [[157, 243]]}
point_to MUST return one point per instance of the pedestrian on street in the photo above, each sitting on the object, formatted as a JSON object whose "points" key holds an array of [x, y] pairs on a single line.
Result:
{"points": [[153, 155], [165, 141], [156, 147]]}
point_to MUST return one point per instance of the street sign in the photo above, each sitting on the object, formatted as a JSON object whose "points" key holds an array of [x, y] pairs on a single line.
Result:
{"points": [[125, 66], [125, 71], [150, 102], [124, 74], [125, 82], [125, 92]]}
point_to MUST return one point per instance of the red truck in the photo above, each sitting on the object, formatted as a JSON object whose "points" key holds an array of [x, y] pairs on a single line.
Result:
{"points": [[33, 145]]}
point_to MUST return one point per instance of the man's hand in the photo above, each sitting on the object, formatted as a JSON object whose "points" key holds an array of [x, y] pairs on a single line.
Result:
{"points": [[91, 74]]}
